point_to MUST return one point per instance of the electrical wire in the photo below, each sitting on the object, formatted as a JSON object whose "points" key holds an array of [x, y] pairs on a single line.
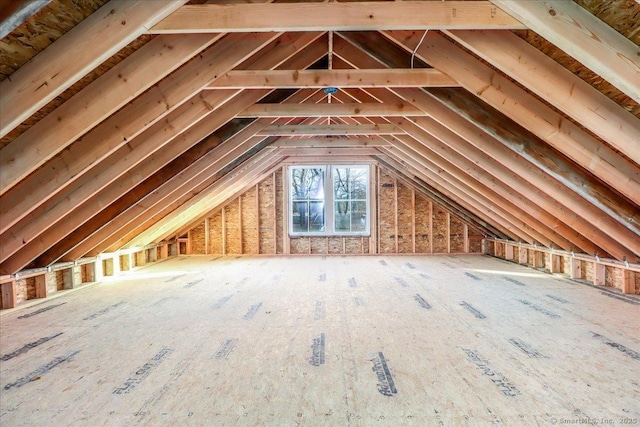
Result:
{"points": [[413, 54]]}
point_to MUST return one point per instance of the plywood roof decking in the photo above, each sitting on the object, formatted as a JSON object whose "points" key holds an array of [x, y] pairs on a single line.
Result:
{"points": [[114, 142]]}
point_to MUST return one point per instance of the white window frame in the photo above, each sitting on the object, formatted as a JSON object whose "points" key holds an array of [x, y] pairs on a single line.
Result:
{"points": [[329, 205]]}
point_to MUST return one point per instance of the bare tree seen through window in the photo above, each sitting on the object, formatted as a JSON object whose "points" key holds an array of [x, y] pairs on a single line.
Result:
{"points": [[307, 196]]}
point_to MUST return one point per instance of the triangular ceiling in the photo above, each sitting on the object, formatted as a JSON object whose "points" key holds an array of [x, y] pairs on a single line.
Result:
{"points": [[145, 115]]}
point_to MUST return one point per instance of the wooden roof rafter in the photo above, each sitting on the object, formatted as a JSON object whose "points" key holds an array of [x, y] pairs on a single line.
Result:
{"points": [[101, 178]]}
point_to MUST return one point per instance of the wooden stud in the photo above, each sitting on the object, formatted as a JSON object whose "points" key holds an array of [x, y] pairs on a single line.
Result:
{"points": [[67, 276], [508, 251], [257, 210], [286, 244], [523, 256], [430, 227], [448, 216], [628, 281], [556, 264], [413, 220], [576, 268], [378, 234], [538, 259], [41, 286], [373, 197], [9, 294], [206, 236], [599, 274], [466, 239], [189, 249], [240, 224], [275, 214], [224, 230], [395, 212]]}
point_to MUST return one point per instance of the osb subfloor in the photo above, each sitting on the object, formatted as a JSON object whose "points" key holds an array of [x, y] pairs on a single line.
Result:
{"points": [[363, 341]]}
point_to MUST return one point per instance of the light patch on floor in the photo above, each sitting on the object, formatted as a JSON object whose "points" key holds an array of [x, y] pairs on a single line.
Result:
{"points": [[362, 341]]}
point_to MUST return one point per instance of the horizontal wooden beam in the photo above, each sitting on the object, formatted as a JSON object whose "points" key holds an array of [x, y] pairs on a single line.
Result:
{"points": [[273, 79], [583, 36], [331, 129], [332, 110], [330, 142], [342, 152], [345, 16]]}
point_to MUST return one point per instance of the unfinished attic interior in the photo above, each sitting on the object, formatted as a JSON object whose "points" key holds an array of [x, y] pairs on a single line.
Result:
{"points": [[319, 213]]}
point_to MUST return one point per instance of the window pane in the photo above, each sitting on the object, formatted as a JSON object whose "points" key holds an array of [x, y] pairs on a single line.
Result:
{"points": [[358, 183], [316, 216], [299, 217], [358, 216], [307, 183], [341, 216], [341, 183]]}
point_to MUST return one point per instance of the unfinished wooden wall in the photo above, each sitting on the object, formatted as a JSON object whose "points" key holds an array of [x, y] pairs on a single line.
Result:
{"points": [[405, 221], [581, 267]]}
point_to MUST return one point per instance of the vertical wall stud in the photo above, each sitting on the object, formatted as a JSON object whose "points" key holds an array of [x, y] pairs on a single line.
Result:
{"points": [[413, 220], [599, 274], [224, 230], [465, 231], [257, 201], [430, 227], [206, 236]]}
